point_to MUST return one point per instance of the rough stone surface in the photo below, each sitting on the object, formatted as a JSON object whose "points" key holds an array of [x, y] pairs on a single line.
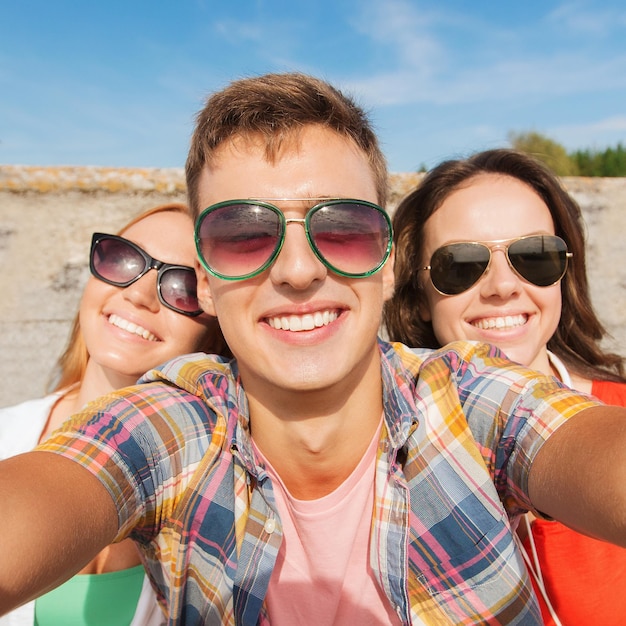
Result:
{"points": [[47, 216]]}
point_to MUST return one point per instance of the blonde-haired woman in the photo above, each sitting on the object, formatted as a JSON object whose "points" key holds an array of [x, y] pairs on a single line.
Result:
{"points": [[130, 319]]}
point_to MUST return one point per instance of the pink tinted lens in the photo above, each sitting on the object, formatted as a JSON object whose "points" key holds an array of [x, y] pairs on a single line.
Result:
{"points": [[179, 289], [117, 262], [239, 239], [352, 237]]}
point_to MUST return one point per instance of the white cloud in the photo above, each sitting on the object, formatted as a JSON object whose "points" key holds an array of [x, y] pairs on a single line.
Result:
{"points": [[607, 132], [581, 19], [240, 31], [467, 67], [404, 28], [504, 81]]}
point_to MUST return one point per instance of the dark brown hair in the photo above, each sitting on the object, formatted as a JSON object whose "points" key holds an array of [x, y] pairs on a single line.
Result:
{"points": [[276, 107], [578, 335]]}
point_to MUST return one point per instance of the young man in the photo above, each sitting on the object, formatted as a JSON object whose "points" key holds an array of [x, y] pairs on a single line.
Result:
{"points": [[321, 476]]}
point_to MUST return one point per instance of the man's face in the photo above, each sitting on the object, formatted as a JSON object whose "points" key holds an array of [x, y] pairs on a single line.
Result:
{"points": [[340, 349]]}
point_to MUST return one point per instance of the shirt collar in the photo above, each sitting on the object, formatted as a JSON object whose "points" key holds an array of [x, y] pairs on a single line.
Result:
{"points": [[399, 383]]}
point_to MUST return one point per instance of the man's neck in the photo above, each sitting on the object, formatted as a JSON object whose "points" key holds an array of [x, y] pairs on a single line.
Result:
{"points": [[315, 439]]}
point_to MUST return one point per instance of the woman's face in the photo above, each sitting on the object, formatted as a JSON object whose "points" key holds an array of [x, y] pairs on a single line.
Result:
{"points": [[501, 308], [128, 331]]}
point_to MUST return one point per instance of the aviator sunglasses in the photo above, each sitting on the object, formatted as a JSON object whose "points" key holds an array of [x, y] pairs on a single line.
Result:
{"points": [[117, 261], [239, 239], [539, 259]]}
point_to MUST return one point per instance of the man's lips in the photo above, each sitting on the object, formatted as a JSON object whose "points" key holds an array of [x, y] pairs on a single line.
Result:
{"points": [[308, 321]]}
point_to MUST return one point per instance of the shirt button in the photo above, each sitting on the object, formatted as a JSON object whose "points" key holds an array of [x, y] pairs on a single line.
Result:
{"points": [[270, 526]]}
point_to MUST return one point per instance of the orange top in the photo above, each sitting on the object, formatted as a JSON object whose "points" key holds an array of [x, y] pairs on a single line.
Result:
{"points": [[584, 577]]}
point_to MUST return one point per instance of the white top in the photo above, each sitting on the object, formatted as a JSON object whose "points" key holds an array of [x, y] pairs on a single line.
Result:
{"points": [[560, 368], [21, 425]]}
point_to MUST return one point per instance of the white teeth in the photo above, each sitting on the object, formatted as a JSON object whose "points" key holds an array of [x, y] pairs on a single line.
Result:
{"points": [[294, 323], [501, 323], [297, 323], [120, 322]]}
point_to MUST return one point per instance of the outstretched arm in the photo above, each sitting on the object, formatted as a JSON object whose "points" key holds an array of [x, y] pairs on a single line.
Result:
{"points": [[579, 475], [56, 516]]}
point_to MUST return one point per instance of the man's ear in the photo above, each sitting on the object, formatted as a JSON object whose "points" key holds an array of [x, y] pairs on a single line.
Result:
{"points": [[205, 297], [388, 275]]}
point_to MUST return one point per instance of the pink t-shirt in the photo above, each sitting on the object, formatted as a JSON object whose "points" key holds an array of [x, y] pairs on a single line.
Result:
{"points": [[322, 574]]}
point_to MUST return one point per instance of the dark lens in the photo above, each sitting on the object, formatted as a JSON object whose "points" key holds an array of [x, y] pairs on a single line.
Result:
{"points": [[116, 261], [353, 237], [178, 288], [541, 259], [456, 267], [238, 240]]}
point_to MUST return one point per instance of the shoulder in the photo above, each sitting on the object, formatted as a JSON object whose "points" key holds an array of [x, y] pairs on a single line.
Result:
{"points": [[461, 360], [470, 376], [181, 401], [183, 393], [209, 380], [199, 374], [485, 382], [187, 396]]}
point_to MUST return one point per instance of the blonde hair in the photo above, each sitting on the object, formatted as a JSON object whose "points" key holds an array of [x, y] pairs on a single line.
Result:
{"points": [[71, 365]]}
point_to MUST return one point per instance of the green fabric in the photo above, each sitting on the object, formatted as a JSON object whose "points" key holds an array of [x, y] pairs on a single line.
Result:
{"points": [[92, 600]]}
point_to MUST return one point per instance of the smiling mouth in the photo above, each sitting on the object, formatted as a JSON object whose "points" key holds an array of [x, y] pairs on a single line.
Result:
{"points": [[500, 323], [298, 323], [130, 327]]}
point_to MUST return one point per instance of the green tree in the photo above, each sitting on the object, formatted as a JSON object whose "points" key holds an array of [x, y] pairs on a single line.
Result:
{"points": [[614, 161], [586, 162], [609, 162], [547, 150]]}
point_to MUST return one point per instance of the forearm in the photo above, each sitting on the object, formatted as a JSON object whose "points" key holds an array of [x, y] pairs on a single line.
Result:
{"points": [[579, 475], [56, 517]]}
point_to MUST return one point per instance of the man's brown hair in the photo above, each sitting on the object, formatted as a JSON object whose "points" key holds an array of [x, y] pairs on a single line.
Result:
{"points": [[276, 107]]}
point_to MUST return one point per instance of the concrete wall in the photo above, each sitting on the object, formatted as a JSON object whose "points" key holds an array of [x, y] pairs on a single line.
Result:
{"points": [[47, 216]]}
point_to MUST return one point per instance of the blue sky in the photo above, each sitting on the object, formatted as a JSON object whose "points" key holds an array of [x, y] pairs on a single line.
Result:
{"points": [[117, 83]]}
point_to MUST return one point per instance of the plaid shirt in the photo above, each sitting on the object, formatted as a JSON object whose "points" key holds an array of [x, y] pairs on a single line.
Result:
{"points": [[461, 430]]}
